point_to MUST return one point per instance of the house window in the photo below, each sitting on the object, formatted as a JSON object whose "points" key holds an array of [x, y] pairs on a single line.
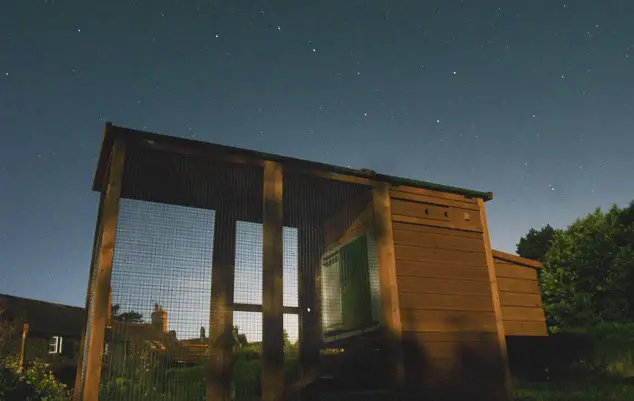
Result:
{"points": [[55, 345]]}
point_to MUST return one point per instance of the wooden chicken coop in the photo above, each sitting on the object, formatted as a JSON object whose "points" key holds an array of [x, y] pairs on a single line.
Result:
{"points": [[268, 277]]}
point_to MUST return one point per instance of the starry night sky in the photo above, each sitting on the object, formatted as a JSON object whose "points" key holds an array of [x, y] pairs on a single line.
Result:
{"points": [[533, 100]]}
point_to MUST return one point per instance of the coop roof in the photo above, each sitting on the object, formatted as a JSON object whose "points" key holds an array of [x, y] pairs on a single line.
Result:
{"points": [[189, 146], [518, 260]]}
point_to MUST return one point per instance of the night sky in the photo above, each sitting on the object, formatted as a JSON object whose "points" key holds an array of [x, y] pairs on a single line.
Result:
{"points": [[533, 100]]}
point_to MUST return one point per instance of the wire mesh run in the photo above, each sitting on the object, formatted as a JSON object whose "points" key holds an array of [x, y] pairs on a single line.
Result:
{"points": [[185, 315], [337, 268]]}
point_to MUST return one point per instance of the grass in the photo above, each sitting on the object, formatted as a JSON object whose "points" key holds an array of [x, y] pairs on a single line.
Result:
{"points": [[581, 390]]}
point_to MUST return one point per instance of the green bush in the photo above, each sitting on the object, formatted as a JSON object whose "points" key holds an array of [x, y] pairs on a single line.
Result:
{"points": [[34, 383], [605, 349]]}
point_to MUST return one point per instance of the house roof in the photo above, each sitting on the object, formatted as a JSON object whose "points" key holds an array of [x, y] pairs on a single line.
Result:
{"points": [[46, 318], [517, 259], [188, 146]]}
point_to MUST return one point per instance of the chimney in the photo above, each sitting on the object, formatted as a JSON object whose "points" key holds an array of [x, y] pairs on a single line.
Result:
{"points": [[159, 318]]}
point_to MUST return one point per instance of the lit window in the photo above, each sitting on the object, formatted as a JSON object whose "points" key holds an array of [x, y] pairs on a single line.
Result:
{"points": [[55, 345]]}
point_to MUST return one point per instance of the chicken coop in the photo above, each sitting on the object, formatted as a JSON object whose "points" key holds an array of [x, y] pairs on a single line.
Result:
{"points": [[221, 273]]}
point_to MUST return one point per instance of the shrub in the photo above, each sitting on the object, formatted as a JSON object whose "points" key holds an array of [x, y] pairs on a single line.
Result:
{"points": [[605, 349], [34, 383]]}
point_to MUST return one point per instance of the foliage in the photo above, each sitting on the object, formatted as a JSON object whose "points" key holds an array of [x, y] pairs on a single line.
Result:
{"points": [[131, 316], [134, 368], [604, 390], [601, 351], [34, 382], [535, 244], [589, 271]]}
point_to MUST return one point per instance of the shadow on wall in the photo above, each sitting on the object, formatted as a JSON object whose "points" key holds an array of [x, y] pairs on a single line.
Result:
{"points": [[450, 369], [439, 369]]}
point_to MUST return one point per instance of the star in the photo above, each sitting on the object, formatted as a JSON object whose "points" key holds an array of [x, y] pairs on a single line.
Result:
{"points": [[314, 50], [279, 28], [454, 73], [78, 30], [437, 121]]}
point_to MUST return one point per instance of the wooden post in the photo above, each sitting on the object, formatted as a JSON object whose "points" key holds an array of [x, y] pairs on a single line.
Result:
{"points": [[391, 311], [25, 333], [82, 343], [100, 286], [310, 248], [272, 285], [219, 368], [495, 293]]}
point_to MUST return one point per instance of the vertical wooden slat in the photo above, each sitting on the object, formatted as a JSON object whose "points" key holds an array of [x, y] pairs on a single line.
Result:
{"points": [[218, 382], [272, 285], [102, 275], [93, 259], [495, 293], [25, 333], [310, 249], [384, 238]]}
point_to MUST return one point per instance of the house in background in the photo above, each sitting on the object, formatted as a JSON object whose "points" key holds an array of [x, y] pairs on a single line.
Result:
{"points": [[51, 332]]}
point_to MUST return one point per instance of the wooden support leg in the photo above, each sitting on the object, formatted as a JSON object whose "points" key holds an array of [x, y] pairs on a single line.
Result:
{"points": [[496, 301], [25, 333], [93, 261], [272, 285], [100, 285], [384, 238], [219, 369], [310, 249]]}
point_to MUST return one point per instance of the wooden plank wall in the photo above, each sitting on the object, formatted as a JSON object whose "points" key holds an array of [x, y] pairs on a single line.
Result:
{"points": [[444, 287], [522, 310]]}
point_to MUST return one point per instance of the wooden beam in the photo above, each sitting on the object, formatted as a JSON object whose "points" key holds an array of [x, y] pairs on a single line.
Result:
{"points": [[495, 293], [219, 368], [310, 246], [384, 238], [272, 285], [98, 309], [25, 333], [291, 310], [93, 260]]}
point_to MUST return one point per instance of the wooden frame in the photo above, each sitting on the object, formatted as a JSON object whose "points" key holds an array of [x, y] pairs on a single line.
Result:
{"points": [[220, 348], [384, 238], [272, 284], [108, 181], [100, 285], [80, 359], [243, 156], [495, 294], [25, 333]]}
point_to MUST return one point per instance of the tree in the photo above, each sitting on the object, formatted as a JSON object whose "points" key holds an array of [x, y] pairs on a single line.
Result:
{"points": [[535, 244], [589, 271], [130, 317]]}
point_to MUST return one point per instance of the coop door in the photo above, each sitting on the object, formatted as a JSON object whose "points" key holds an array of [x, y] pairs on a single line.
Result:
{"points": [[355, 284]]}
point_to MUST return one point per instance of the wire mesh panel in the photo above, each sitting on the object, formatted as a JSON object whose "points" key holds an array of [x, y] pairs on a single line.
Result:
{"points": [[180, 232], [247, 316], [337, 268], [192, 266]]}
